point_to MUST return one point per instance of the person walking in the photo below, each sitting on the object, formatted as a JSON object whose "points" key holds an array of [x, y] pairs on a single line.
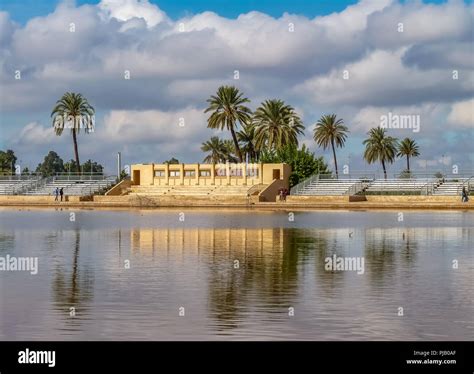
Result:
{"points": [[61, 192], [56, 194]]}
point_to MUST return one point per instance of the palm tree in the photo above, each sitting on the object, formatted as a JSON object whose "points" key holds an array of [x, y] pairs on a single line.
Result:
{"points": [[228, 151], [246, 138], [215, 146], [380, 147], [219, 150], [228, 109], [408, 148], [73, 111], [276, 125], [331, 131]]}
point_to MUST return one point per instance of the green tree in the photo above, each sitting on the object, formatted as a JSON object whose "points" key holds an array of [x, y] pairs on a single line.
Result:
{"points": [[303, 162], [215, 148], [219, 150], [51, 164], [92, 167], [228, 109], [246, 138], [276, 125], [330, 131], [380, 147], [408, 148], [7, 161], [70, 167], [172, 161], [73, 111]]}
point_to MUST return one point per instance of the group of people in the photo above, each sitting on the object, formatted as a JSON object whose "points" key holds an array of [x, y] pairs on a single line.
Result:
{"points": [[283, 193], [58, 192], [464, 195]]}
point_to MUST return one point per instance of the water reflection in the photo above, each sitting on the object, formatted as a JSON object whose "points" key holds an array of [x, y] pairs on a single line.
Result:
{"points": [[72, 283], [238, 283]]}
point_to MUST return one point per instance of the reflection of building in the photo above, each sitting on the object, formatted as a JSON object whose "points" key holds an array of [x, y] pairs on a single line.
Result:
{"points": [[212, 241]]}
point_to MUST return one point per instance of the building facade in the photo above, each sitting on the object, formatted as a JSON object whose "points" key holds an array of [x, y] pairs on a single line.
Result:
{"points": [[228, 174]]}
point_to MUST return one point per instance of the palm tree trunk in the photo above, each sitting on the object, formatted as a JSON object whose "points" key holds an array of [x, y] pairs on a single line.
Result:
{"points": [[334, 155], [384, 170], [236, 143], [76, 152], [408, 163]]}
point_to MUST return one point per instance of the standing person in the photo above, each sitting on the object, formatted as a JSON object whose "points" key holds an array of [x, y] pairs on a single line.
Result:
{"points": [[465, 199], [61, 192], [56, 194]]}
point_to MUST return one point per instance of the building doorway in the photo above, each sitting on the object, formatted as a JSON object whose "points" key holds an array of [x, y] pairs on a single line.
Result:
{"points": [[276, 174], [136, 177]]}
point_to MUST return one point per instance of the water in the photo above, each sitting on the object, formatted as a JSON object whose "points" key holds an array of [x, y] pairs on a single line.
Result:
{"points": [[192, 264]]}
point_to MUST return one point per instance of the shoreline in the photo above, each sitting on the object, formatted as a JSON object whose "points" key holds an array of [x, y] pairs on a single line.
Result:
{"points": [[263, 206]]}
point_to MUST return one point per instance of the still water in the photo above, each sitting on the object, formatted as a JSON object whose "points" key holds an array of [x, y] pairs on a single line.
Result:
{"points": [[236, 275]]}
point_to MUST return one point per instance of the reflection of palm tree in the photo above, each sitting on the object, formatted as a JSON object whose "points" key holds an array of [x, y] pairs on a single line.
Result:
{"points": [[268, 272], [379, 255], [79, 288], [409, 248], [325, 247]]}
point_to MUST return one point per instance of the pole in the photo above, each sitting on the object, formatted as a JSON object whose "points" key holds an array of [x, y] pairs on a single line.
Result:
{"points": [[119, 165]]}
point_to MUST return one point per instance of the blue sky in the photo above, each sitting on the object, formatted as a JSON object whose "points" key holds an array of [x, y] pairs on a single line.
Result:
{"points": [[173, 72], [22, 11]]}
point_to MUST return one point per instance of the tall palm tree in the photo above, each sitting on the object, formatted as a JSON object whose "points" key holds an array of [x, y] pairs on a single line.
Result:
{"points": [[246, 138], [276, 125], [73, 111], [228, 109], [408, 148], [330, 131], [215, 147], [380, 147]]}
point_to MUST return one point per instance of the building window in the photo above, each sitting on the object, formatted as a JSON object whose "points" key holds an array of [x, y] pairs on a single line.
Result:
{"points": [[189, 173], [174, 173], [221, 172], [204, 173], [159, 173], [252, 172]]}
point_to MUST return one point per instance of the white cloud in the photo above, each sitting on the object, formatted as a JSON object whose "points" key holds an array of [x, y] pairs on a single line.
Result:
{"points": [[381, 78], [34, 134], [462, 114], [153, 126], [125, 10], [174, 72]]}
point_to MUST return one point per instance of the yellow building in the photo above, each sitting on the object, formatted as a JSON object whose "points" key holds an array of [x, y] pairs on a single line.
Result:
{"points": [[241, 179]]}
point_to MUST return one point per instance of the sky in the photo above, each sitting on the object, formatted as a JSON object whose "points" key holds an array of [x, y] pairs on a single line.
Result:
{"points": [[363, 60]]}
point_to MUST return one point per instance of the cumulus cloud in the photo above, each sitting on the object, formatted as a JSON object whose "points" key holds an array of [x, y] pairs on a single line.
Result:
{"points": [[462, 114], [175, 65], [34, 134], [125, 10]]}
